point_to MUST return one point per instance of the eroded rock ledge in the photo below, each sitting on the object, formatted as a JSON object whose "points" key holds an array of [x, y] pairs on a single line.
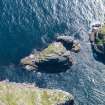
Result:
{"points": [[25, 94], [55, 58]]}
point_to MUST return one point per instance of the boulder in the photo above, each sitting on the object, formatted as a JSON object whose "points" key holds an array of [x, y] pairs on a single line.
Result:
{"points": [[54, 58], [69, 43], [76, 46]]}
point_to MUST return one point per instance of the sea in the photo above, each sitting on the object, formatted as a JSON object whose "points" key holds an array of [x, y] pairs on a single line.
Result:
{"points": [[28, 25]]}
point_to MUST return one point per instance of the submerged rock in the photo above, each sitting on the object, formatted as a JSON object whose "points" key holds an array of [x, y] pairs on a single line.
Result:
{"points": [[25, 94]]}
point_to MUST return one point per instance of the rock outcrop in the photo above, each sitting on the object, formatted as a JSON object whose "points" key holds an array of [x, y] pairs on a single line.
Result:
{"points": [[25, 94], [97, 39], [55, 58], [69, 43]]}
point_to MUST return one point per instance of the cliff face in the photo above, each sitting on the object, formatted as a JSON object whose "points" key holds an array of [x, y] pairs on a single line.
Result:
{"points": [[22, 94], [97, 39]]}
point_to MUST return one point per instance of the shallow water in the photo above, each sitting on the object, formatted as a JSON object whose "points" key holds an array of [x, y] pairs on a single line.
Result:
{"points": [[28, 24]]}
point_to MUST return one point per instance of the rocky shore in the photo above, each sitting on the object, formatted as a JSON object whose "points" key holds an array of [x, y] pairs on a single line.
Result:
{"points": [[26, 94], [55, 58]]}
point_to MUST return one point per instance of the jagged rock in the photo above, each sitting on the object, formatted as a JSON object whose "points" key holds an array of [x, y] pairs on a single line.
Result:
{"points": [[27, 94], [95, 29], [76, 46], [96, 25], [92, 36], [69, 43], [54, 58]]}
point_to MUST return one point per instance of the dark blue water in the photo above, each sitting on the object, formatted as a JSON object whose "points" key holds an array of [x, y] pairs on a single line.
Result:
{"points": [[29, 24]]}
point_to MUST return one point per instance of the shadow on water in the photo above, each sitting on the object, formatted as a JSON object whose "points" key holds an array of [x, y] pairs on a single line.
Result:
{"points": [[54, 67], [18, 75]]}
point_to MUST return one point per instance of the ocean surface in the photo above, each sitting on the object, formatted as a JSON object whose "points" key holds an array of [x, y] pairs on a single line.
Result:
{"points": [[31, 24]]}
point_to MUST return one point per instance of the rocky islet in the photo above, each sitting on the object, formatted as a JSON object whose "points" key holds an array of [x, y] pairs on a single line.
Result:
{"points": [[55, 58]]}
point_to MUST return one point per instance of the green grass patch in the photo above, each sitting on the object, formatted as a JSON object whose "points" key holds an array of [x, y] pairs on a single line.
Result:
{"points": [[19, 94]]}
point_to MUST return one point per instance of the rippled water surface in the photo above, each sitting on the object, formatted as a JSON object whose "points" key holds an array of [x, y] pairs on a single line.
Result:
{"points": [[28, 24]]}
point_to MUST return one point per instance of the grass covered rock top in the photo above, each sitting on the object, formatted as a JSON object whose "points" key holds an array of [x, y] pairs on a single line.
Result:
{"points": [[22, 94], [100, 37]]}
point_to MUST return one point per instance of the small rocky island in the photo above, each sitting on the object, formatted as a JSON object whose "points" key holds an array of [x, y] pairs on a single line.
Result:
{"points": [[25, 94], [97, 39], [55, 58]]}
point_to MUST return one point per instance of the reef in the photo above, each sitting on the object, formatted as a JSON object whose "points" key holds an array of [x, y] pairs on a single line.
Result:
{"points": [[28, 94], [55, 58]]}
